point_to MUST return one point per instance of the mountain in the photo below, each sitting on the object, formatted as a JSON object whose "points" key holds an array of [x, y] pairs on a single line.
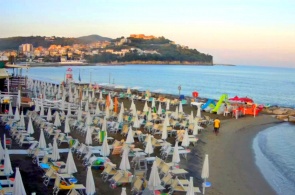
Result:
{"points": [[15, 42], [93, 38]]}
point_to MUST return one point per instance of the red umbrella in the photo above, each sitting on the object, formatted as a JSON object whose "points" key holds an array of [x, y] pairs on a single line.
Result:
{"points": [[236, 98], [246, 99]]}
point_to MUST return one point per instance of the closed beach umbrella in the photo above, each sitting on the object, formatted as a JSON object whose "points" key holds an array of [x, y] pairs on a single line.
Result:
{"points": [[1, 152], [105, 147], [123, 191], [67, 126], [176, 157], [159, 112], [107, 112], [79, 114], [199, 110], [136, 123], [90, 186], [154, 179], [149, 116], [7, 164], [122, 108], [145, 108], [42, 110], [180, 107], [196, 128], [69, 113], [185, 140], [49, 115], [205, 171], [128, 91], [168, 105], [4, 139], [42, 142], [10, 113], [166, 121], [108, 100], [130, 138], [57, 122], [18, 99], [191, 117], [125, 165], [16, 114], [97, 110], [88, 118], [22, 120], [153, 103], [18, 186], [100, 95], [55, 153], [70, 164], [120, 117], [30, 128], [104, 124], [87, 106], [149, 147], [164, 132], [37, 107], [190, 189], [88, 139], [111, 107]]}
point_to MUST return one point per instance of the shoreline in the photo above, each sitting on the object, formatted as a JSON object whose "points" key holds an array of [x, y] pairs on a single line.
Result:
{"points": [[233, 169]]}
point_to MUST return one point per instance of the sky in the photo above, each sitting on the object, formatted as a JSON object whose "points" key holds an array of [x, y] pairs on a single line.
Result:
{"points": [[241, 32]]}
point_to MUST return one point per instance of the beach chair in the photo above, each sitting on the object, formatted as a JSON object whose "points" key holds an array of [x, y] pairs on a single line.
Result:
{"points": [[62, 185], [121, 177], [73, 192], [81, 150], [23, 141], [32, 148], [167, 179], [49, 175], [137, 186], [176, 186], [109, 170], [165, 169]]}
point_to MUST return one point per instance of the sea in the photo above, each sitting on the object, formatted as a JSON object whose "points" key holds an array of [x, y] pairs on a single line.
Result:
{"points": [[273, 148]]}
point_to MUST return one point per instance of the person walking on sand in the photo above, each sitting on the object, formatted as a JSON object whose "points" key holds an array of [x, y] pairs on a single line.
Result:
{"points": [[216, 125]]}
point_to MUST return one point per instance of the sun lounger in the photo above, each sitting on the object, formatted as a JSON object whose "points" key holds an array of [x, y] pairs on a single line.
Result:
{"points": [[109, 170], [59, 185], [137, 186], [121, 177], [177, 186]]}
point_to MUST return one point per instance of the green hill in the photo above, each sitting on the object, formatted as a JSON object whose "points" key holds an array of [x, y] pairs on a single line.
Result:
{"points": [[93, 38]]}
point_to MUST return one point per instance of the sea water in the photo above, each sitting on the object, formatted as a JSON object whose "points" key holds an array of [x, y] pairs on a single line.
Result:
{"points": [[274, 150], [266, 85]]}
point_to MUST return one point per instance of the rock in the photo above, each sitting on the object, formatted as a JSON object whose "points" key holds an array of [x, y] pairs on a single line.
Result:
{"points": [[291, 112], [280, 111], [282, 117]]}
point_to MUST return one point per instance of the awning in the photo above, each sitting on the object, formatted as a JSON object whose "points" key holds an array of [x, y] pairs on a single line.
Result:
{"points": [[3, 73]]}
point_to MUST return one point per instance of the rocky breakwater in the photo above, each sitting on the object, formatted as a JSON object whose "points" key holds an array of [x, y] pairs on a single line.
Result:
{"points": [[284, 114]]}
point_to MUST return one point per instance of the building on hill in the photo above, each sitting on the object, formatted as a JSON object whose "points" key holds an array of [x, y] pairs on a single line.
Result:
{"points": [[26, 48], [142, 36]]}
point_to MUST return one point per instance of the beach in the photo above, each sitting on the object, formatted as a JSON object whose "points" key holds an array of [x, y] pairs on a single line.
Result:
{"points": [[231, 158]]}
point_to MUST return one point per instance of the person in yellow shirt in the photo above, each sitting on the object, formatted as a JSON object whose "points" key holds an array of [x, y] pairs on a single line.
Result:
{"points": [[216, 125]]}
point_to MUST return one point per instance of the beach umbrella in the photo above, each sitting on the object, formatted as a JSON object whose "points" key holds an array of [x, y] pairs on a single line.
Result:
{"points": [[123, 191], [159, 112], [190, 189], [164, 132], [18, 186], [107, 112], [88, 118], [111, 107], [180, 110], [197, 128], [199, 111], [30, 128], [185, 140], [2, 152], [62, 106], [7, 164], [128, 91], [122, 108], [136, 123], [97, 110], [37, 107], [116, 103], [69, 113], [86, 106], [153, 103], [166, 121], [205, 171], [18, 98], [105, 147], [168, 105], [125, 165], [49, 116], [104, 124], [22, 120], [67, 126], [88, 139], [57, 122], [100, 95], [149, 147], [154, 179], [55, 153], [42, 110], [120, 117], [4, 141], [149, 116], [175, 156], [79, 114], [42, 142], [70, 164], [16, 114], [145, 108], [108, 100], [176, 113], [10, 112], [191, 117], [90, 186], [130, 138]]}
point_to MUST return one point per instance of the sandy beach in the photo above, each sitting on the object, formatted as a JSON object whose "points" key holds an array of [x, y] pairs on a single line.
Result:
{"points": [[231, 158]]}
